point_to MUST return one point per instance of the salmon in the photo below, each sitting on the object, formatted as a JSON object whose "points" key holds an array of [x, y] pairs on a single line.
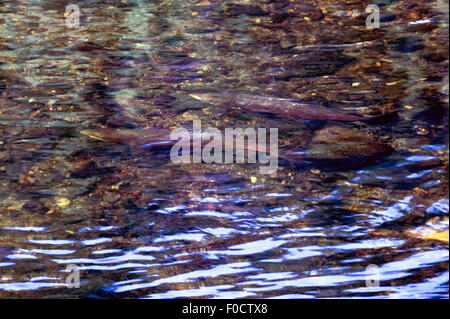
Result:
{"points": [[135, 137], [279, 106], [153, 138], [333, 143]]}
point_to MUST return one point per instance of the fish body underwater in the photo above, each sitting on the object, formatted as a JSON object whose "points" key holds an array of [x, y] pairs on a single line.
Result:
{"points": [[333, 147], [279, 106]]}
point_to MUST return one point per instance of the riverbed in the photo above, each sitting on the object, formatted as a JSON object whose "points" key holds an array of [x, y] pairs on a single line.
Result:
{"points": [[133, 224]]}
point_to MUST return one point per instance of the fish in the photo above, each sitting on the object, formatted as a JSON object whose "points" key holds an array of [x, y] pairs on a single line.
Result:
{"points": [[155, 138], [133, 137], [279, 106], [191, 142], [333, 147]]}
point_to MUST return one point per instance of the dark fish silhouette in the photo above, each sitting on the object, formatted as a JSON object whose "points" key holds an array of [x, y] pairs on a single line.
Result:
{"points": [[334, 146], [279, 106], [151, 138], [135, 137]]}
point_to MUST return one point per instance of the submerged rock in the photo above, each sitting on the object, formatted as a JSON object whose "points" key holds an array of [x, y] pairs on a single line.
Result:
{"points": [[341, 142], [337, 147]]}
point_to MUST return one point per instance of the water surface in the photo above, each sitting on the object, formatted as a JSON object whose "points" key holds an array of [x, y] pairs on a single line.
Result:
{"points": [[139, 226]]}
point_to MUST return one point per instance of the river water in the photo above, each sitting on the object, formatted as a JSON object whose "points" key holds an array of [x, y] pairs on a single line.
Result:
{"points": [[133, 224]]}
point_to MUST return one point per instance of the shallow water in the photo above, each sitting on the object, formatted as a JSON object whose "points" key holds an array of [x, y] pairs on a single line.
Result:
{"points": [[136, 225]]}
